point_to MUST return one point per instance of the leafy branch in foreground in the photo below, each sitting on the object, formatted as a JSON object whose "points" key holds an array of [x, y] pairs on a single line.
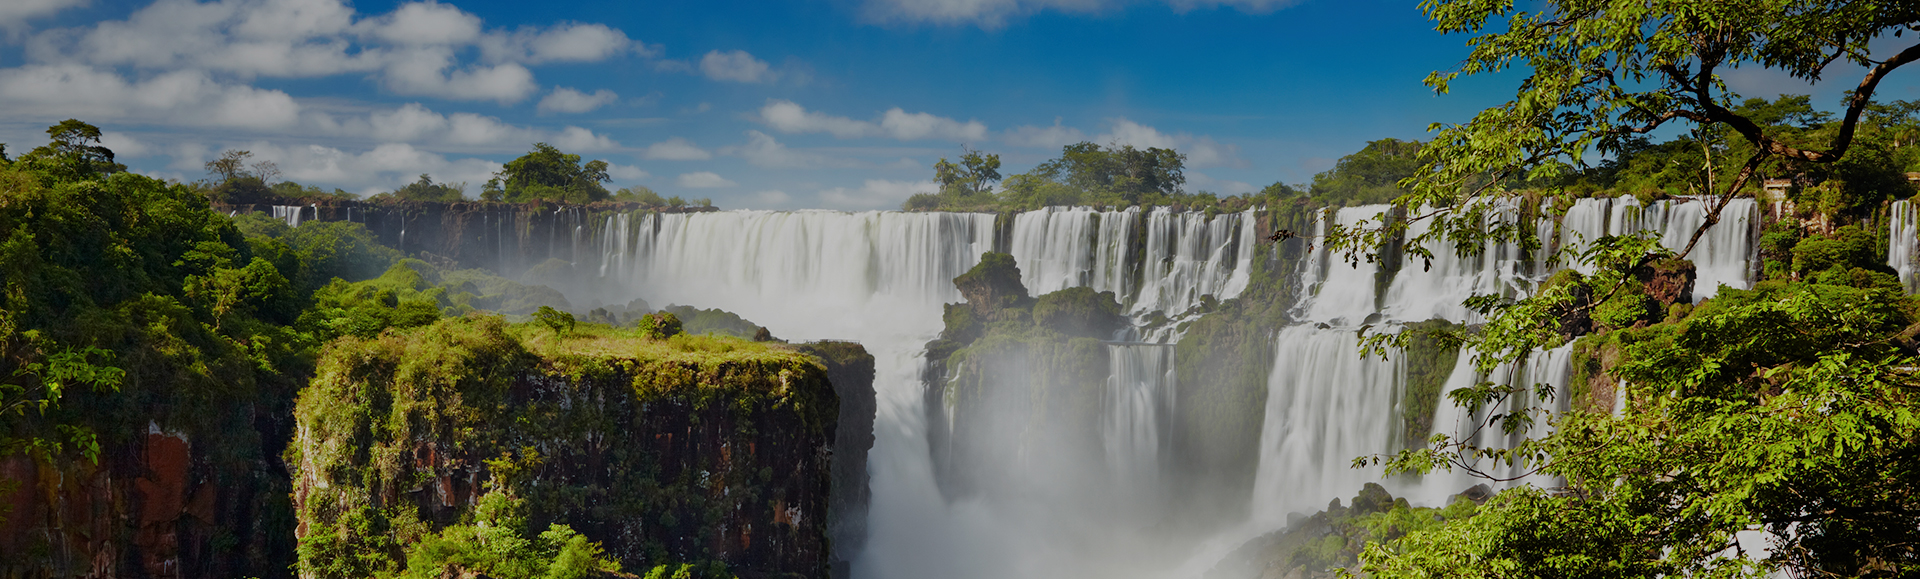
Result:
{"points": [[1786, 413]]}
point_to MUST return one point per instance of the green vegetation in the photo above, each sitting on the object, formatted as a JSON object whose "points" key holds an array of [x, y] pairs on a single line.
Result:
{"points": [[407, 409], [1085, 174], [1325, 543], [1785, 410], [548, 174], [995, 352]]}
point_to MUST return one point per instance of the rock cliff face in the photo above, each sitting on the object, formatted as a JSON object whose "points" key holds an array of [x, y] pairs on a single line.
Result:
{"points": [[693, 449], [507, 238], [161, 505]]}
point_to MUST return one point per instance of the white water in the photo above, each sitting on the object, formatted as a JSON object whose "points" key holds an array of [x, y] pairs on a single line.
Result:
{"points": [[290, 214], [1325, 406], [1903, 243], [1139, 412], [880, 278]]}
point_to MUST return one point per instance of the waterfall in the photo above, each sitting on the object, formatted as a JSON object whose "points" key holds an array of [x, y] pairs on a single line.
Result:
{"points": [[1551, 367], [1342, 291], [1422, 292], [1325, 406], [1585, 222], [1903, 243], [289, 213], [1139, 411], [880, 278]]}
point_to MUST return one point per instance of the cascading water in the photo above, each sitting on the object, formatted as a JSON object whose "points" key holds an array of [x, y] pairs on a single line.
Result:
{"points": [[1139, 409], [1903, 243], [880, 278], [289, 213], [1325, 406]]}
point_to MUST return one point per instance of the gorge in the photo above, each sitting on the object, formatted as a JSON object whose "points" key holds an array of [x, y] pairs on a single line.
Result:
{"points": [[1232, 395]]}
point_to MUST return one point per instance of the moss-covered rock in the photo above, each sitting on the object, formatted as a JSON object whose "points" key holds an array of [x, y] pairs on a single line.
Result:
{"points": [[685, 449], [1322, 545], [993, 285], [1079, 311]]}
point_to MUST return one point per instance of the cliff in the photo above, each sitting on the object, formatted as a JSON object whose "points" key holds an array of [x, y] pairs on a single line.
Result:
{"points": [[690, 449]]}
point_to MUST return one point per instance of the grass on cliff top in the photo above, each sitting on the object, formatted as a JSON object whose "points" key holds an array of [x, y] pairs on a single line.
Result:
{"points": [[600, 341]]}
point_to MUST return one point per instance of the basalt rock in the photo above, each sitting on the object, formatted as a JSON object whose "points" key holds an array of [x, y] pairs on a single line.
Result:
{"points": [[1669, 281], [665, 451]]}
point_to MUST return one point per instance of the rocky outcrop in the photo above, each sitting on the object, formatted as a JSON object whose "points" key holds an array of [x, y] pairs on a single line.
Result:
{"points": [[687, 450], [509, 238], [1668, 281], [1326, 543], [1005, 389], [157, 506]]}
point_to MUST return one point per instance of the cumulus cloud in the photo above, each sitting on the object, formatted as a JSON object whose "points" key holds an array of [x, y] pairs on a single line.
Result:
{"points": [[416, 123], [736, 66], [579, 139], [1052, 137], [573, 42], [789, 117], [1201, 151], [704, 180], [181, 97], [567, 100], [14, 13], [1197, 181], [124, 146], [876, 194], [627, 173], [382, 168], [761, 150], [676, 149], [413, 50], [991, 14]]}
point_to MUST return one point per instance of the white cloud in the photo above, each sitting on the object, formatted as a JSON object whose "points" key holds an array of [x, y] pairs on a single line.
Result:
{"points": [[991, 14], [563, 43], [124, 146], [14, 13], [676, 149], [1052, 137], [789, 117], [1197, 181], [432, 72], [626, 173], [182, 97], [761, 150], [736, 66], [876, 194], [416, 49], [382, 168], [704, 180], [1201, 151], [567, 100], [579, 139], [426, 23]]}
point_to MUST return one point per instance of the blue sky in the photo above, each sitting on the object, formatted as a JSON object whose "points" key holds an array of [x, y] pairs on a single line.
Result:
{"points": [[841, 104]]}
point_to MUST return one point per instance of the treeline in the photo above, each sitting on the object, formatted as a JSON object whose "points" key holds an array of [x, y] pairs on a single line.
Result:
{"points": [[127, 304], [1874, 170], [543, 174]]}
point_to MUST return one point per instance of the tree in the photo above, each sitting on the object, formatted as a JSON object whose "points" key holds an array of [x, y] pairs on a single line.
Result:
{"points": [[1787, 409], [241, 182], [1604, 71], [546, 173], [426, 190], [1371, 175], [75, 152]]}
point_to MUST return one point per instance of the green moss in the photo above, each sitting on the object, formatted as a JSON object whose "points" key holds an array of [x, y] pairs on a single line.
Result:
{"points": [[1431, 356], [527, 409]]}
